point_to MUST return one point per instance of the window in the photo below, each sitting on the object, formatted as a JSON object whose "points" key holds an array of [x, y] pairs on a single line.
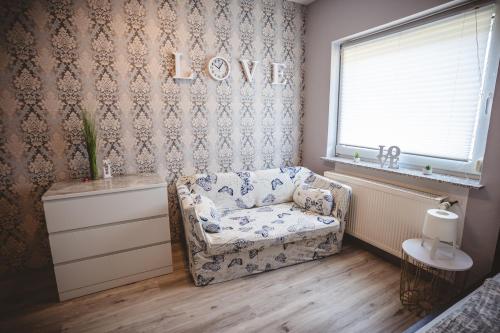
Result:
{"points": [[424, 88]]}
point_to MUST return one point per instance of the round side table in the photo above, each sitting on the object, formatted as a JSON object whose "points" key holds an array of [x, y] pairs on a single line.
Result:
{"points": [[427, 282]]}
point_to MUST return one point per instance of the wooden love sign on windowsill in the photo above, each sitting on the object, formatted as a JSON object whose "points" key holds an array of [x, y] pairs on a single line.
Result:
{"points": [[219, 69]]}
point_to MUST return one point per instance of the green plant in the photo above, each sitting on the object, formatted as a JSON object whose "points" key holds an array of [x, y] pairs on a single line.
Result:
{"points": [[428, 167], [356, 155], [90, 135]]}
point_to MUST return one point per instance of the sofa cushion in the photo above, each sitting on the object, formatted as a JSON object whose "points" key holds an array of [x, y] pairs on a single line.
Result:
{"points": [[232, 190], [341, 194], [275, 186], [262, 227], [316, 200], [207, 213]]}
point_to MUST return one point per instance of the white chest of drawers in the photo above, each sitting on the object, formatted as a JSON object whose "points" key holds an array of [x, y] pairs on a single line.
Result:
{"points": [[107, 233]]}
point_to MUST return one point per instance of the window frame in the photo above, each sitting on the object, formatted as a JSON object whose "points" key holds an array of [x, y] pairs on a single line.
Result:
{"points": [[453, 167]]}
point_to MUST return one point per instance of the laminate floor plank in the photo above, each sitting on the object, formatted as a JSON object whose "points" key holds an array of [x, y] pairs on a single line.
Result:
{"points": [[354, 291]]}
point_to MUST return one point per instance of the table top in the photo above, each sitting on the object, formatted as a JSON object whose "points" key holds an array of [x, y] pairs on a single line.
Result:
{"points": [[78, 188], [442, 260]]}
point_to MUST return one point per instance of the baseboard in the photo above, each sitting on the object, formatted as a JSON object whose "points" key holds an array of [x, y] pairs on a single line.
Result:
{"points": [[375, 250]]}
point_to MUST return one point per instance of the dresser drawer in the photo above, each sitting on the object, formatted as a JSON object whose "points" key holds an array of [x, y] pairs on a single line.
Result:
{"points": [[115, 266], [88, 242], [85, 211]]}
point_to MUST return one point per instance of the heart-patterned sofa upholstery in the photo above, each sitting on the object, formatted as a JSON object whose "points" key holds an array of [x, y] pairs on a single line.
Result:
{"points": [[259, 226]]}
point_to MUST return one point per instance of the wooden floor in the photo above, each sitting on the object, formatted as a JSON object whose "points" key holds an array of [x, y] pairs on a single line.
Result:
{"points": [[354, 291]]}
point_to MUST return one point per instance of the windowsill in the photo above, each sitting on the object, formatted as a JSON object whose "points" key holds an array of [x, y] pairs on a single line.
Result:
{"points": [[441, 178]]}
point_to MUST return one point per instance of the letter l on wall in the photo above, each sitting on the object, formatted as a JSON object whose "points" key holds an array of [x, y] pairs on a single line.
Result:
{"points": [[178, 68]]}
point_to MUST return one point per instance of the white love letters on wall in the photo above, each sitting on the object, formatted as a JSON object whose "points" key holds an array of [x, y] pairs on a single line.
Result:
{"points": [[178, 68], [248, 73], [219, 69]]}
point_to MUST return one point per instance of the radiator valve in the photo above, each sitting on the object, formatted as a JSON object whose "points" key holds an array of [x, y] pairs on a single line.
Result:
{"points": [[447, 204]]}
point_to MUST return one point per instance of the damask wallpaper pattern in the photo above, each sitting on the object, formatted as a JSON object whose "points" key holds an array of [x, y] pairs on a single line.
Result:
{"points": [[224, 91], [114, 58], [269, 28]]}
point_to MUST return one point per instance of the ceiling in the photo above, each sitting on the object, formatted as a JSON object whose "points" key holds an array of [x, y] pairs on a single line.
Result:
{"points": [[303, 2]]}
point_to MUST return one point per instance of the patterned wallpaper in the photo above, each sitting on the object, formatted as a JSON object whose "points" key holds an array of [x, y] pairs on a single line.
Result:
{"points": [[114, 58]]}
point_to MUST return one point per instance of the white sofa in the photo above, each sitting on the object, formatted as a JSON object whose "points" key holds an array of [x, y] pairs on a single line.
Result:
{"points": [[258, 226]]}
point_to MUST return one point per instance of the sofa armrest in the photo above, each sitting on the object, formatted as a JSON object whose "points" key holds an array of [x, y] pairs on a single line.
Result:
{"points": [[206, 214], [340, 192], [193, 230]]}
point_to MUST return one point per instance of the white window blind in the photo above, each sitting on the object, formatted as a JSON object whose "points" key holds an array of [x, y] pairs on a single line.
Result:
{"points": [[418, 88]]}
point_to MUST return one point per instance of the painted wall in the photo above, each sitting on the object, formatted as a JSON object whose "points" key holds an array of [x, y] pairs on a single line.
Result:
{"points": [[58, 57], [482, 221], [329, 20]]}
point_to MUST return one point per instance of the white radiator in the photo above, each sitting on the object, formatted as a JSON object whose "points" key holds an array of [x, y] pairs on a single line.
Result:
{"points": [[385, 215]]}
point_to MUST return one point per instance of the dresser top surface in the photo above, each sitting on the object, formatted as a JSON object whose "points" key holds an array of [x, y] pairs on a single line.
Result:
{"points": [[78, 188]]}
